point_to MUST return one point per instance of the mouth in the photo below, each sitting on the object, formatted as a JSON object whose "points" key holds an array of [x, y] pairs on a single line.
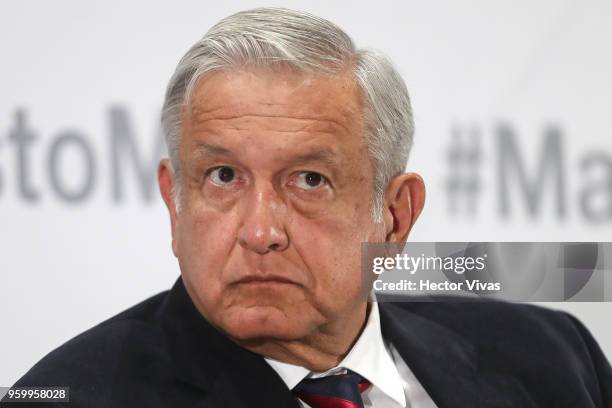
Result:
{"points": [[265, 280]]}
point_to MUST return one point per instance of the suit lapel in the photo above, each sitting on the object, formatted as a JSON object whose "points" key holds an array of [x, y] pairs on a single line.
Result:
{"points": [[253, 384], [446, 363]]}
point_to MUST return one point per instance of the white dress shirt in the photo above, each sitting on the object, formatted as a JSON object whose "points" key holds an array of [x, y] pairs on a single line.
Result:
{"points": [[393, 383]]}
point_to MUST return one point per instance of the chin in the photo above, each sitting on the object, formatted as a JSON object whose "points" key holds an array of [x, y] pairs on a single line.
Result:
{"points": [[262, 322]]}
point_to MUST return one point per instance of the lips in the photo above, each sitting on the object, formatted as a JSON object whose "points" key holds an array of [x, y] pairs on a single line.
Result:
{"points": [[254, 279]]}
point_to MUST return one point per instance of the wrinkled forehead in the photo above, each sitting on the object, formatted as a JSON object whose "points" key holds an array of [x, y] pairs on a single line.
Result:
{"points": [[282, 94]]}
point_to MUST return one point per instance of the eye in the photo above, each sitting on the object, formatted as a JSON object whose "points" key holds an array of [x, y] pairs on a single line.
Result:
{"points": [[222, 176], [310, 180]]}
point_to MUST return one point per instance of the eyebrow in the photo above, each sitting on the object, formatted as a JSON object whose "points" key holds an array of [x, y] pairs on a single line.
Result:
{"points": [[324, 155], [206, 150]]}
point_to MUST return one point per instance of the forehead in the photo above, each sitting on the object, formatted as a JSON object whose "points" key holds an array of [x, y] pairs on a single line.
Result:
{"points": [[283, 98]]}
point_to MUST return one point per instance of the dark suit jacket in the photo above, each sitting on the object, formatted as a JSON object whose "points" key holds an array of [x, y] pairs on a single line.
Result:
{"points": [[163, 353]]}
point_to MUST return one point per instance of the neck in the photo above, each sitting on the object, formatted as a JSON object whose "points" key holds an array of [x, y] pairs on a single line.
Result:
{"points": [[323, 349]]}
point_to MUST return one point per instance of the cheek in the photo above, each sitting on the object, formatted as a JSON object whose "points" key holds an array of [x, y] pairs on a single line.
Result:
{"points": [[331, 251], [205, 240]]}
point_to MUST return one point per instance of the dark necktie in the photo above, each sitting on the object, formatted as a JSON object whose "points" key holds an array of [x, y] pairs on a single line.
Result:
{"points": [[334, 391]]}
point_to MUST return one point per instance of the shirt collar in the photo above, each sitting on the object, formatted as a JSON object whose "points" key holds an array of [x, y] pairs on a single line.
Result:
{"points": [[369, 358]]}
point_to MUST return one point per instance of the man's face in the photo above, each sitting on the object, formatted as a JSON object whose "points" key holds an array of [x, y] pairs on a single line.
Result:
{"points": [[276, 199]]}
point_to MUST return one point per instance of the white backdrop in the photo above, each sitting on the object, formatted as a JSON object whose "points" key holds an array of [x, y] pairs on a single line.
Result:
{"points": [[471, 67]]}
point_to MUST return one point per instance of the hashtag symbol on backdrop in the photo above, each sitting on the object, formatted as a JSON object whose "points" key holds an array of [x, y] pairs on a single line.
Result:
{"points": [[463, 184]]}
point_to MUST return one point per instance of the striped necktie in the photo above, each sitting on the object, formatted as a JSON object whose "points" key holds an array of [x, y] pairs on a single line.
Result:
{"points": [[334, 391]]}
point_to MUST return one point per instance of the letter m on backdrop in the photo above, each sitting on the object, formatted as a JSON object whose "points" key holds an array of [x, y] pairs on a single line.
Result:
{"points": [[125, 152], [549, 177]]}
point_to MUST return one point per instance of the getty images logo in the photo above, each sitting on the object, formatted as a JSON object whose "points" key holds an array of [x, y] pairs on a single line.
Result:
{"points": [[125, 156]]}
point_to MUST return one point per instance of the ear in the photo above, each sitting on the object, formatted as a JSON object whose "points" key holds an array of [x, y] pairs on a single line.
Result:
{"points": [[404, 200], [165, 178]]}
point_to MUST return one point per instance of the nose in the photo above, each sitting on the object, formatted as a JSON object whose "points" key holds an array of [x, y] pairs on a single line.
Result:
{"points": [[262, 229]]}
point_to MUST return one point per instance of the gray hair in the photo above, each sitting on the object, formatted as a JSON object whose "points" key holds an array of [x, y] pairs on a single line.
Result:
{"points": [[276, 36]]}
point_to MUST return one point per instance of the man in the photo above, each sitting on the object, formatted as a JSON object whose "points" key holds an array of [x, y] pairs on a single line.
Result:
{"points": [[287, 150]]}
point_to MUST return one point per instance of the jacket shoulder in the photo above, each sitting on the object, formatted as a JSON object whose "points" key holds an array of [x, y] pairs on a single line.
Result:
{"points": [[499, 324], [92, 361], [532, 342]]}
